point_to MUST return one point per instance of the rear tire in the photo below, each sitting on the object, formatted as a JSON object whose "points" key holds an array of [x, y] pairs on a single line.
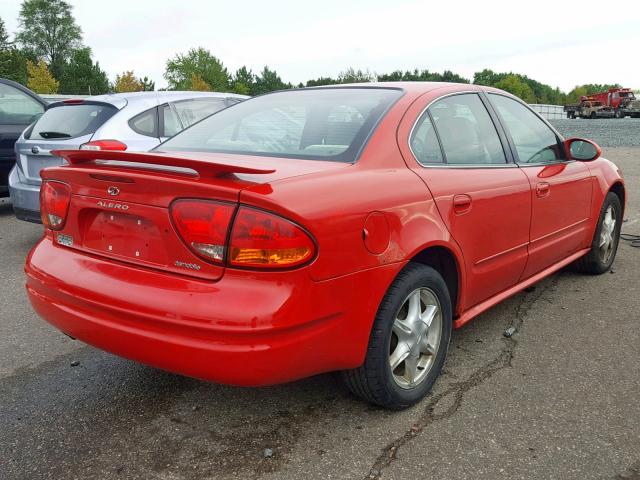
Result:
{"points": [[413, 339], [605, 240]]}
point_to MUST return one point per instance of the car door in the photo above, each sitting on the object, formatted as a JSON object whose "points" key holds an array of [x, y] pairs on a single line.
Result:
{"points": [[561, 190], [18, 109], [483, 198]]}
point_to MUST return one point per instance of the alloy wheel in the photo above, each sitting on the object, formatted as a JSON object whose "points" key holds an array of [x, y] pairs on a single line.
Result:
{"points": [[415, 339], [607, 243]]}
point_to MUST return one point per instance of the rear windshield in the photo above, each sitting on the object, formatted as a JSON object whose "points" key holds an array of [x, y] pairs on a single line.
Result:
{"points": [[316, 124], [70, 121]]}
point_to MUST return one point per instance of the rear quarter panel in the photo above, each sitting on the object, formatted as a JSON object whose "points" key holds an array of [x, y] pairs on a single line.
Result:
{"points": [[333, 206]]}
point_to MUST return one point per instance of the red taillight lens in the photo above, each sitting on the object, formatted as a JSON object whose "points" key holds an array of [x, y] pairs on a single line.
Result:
{"points": [[261, 239], [104, 145], [203, 226], [54, 203]]}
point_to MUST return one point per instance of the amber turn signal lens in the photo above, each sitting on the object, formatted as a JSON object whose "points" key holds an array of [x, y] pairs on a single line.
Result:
{"points": [[261, 239]]}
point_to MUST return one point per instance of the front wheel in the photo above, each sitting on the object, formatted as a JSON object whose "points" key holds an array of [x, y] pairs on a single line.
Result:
{"points": [[605, 241], [408, 342]]}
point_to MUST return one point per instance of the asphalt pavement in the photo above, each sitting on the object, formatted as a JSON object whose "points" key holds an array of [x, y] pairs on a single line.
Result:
{"points": [[557, 400]]}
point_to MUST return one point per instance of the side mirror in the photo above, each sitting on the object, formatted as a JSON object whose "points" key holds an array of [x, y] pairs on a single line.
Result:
{"points": [[582, 150]]}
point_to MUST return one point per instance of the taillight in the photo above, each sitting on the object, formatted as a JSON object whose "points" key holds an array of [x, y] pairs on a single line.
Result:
{"points": [[203, 226], [264, 240], [54, 203], [104, 145]]}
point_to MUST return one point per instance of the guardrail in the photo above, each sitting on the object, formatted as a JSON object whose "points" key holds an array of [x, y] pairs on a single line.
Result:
{"points": [[550, 112]]}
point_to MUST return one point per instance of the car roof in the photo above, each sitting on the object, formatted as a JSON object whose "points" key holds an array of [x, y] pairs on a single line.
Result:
{"points": [[413, 87], [119, 100], [24, 90]]}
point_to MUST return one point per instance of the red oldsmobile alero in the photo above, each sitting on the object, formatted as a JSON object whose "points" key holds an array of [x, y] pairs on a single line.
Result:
{"points": [[343, 228]]}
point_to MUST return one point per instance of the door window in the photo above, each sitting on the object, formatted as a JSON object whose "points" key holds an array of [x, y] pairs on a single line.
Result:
{"points": [[16, 107], [535, 142], [466, 131]]}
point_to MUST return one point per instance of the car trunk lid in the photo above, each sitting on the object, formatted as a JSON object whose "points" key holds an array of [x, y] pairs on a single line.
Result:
{"points": [[120, 201]]}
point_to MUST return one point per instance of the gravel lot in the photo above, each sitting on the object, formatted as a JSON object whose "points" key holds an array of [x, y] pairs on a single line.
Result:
{"points": [[606, 132], [557, 400]]}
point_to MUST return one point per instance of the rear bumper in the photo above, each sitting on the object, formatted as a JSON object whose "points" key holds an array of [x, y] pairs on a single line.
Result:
{"points": [[246, 329], [24, 196]]}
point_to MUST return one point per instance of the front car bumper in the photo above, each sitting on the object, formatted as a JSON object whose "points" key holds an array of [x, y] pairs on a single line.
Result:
{"points": [[249, 328]]}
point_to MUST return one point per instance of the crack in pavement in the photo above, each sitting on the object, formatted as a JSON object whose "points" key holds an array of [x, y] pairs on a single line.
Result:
{"points": [[459, 389]]}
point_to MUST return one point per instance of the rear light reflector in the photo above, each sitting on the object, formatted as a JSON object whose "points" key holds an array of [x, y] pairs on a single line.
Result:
{"points": [[104, 145], [264, 240], [54, 203], [203, 226]]}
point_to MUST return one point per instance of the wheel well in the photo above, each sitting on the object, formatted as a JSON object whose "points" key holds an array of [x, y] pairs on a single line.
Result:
{"points": [[444, 262], [618, 189]]}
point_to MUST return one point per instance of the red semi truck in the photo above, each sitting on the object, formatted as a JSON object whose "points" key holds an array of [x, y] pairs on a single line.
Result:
{"points": [[621, 100]]}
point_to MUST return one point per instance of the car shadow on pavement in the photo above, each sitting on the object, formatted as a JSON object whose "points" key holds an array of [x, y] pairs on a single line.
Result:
{"points": [[6, 209]]}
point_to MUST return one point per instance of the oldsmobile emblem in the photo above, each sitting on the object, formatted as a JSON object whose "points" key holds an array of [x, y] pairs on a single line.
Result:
{"points": [[113, 191], [113, 205]]}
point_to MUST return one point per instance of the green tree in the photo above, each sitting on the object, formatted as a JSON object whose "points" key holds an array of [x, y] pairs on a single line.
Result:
{"points": [[4, 36], [197, 84], [148, 85], [268, 81], [356, 76], [47, 28], [197, 61], [40, 79], [421, 76], [514, 85], [13, 65], [318, 82], [81, 76], [127, 82], [243, 81]]}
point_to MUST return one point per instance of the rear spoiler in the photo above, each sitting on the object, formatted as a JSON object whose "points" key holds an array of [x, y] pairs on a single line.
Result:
{"points": [[204, 168]]}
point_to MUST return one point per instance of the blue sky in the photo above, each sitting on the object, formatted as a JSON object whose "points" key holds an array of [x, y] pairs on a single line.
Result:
{"points": [[561, 43]]}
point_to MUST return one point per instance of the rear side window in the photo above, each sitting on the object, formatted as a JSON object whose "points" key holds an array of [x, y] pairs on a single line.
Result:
{"points": [[466, 131], [16, 107], [182, 114], [70, 121], [424, 142], [535, 142], [145, 123]]}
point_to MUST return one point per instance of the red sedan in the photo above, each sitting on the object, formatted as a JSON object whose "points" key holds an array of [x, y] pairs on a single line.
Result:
{"points": [[312, 230]]}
